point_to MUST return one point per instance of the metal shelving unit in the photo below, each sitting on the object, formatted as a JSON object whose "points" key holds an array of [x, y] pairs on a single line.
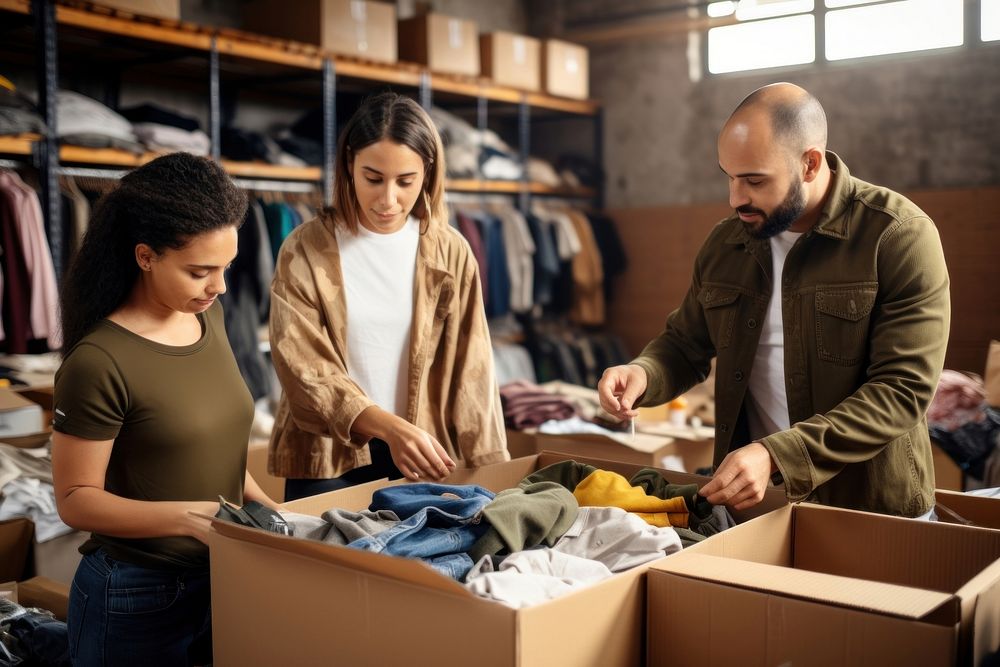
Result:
{"points": [[177, 43]]}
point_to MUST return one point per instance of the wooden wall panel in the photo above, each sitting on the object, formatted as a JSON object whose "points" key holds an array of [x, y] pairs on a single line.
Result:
{"points": [[661, 244]]}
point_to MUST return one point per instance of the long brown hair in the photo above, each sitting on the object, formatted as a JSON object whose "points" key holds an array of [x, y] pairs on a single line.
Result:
{"points": [[400, 120]]}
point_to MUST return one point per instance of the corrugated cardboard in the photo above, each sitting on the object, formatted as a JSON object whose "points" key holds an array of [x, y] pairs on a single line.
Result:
{"points": [[967, 510], [273, 486], [991, 376], [44, 593], [815, 585], [164, 9], [442, 43], [947, 474], [59, 557], [41, 396], [349, 27], [647, 449], [15, 543], [511, 60], [565, 69], [281, 600], [19, 417]]}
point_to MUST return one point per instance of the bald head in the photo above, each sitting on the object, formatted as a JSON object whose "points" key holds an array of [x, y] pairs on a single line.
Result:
{"points": [[796, 118]]}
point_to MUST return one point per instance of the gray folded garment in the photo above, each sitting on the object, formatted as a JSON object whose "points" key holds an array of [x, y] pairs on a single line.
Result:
{"points": [[340, 526]]}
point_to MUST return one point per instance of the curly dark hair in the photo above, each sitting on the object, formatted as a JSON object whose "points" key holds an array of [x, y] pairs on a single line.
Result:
{"points": [[163, 204]]}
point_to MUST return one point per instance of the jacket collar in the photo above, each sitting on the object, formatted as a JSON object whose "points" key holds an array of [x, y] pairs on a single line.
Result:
{"points": [[832, 222]]}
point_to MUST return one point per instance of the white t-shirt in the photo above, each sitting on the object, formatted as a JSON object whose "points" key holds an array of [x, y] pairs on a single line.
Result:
{"points": [[767, 409], [378, 272]]}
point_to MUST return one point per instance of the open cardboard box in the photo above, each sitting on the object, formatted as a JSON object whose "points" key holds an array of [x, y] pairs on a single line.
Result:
{"points": [[968, 510], [814, 585], [649, 449], [281, 600]]}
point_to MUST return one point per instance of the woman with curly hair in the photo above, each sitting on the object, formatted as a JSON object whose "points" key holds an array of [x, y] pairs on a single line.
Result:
{"points": [[152, 417]]}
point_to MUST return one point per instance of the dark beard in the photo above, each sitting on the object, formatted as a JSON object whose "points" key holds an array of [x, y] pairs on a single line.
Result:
{"points": [[782, 218]]}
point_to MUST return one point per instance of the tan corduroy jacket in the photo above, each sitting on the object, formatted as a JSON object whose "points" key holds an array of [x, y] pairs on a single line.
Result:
{"points": [[452, 390], [866, 310]]}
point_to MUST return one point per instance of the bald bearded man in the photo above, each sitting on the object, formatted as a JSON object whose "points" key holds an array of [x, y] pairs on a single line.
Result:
{"points": [[825, 301]]}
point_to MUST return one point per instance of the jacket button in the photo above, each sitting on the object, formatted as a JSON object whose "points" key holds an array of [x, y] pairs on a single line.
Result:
{"points": [[723, 428], [738, 375], [752, 323]]}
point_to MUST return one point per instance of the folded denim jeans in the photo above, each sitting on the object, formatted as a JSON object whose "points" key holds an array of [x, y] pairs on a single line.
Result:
{"points": [[405, 500], [428, 534]]}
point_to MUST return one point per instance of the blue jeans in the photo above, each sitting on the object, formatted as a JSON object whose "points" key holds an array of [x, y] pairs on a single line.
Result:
{"points": [[125, 614], [380, 467]]}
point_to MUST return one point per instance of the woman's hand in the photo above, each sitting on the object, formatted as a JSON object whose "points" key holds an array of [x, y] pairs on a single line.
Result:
{"points": [[416, 453], [196, 526]]}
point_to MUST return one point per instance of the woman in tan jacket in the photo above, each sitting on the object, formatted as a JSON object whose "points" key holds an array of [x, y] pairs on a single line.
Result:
{"points": [[378, 332]]}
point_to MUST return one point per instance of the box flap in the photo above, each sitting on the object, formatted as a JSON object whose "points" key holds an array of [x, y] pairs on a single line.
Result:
{"points": [[402, 569], [978, 510], [889, 599], [646, 443], [986, 624]]}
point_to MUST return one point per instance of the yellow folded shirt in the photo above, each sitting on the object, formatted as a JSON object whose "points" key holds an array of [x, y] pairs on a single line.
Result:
{"points": [[609, 489]]}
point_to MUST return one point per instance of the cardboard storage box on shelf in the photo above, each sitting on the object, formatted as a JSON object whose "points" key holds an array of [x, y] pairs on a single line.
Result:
{"points": [[442, 43], [511, 60], [282, 600], [687, 448], [565, 70], [967, 509], [820, 586], [350, 27], [163, 9]]}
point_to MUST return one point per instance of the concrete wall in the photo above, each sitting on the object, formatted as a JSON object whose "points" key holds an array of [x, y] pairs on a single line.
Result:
{"points": [[919, 121]]}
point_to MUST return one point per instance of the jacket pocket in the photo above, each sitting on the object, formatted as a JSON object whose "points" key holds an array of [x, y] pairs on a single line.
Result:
{"points": [[719, 303], [842, 319]]}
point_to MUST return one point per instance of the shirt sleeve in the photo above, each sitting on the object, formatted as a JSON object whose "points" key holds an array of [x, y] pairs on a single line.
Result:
{"points": [[91, 398], [322, 397]]}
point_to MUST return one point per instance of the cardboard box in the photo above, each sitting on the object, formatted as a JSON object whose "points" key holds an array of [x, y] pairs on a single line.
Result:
{"points": [[18, 416], [273, 486], [282, 600], [442, 43], [947, 474], [44, 593], [967, 510], [59, 557], [814, 585], [565, 70], [164, 9], [350, 27], [15, 544], [511, 60], [41, 397], [647, 449]]}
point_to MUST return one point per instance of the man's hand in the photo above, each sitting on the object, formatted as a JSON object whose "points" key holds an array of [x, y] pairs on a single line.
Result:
{"points": [[741, 479], [619, 388]]}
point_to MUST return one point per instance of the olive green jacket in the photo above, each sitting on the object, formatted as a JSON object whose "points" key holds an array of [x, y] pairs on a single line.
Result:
{"points": [[451, 389], [866, 312]]}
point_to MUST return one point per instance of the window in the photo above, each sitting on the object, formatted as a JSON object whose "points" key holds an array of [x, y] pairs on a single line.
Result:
{"points": [[892, 27], [776, 33], [990, 20], [790, 40]]}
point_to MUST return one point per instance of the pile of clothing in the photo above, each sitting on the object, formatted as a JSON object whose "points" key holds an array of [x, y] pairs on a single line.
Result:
{"points": [[563, 527]]}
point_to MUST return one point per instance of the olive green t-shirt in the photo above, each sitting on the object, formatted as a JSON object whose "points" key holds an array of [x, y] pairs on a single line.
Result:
{"points": [[180, 419]]}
